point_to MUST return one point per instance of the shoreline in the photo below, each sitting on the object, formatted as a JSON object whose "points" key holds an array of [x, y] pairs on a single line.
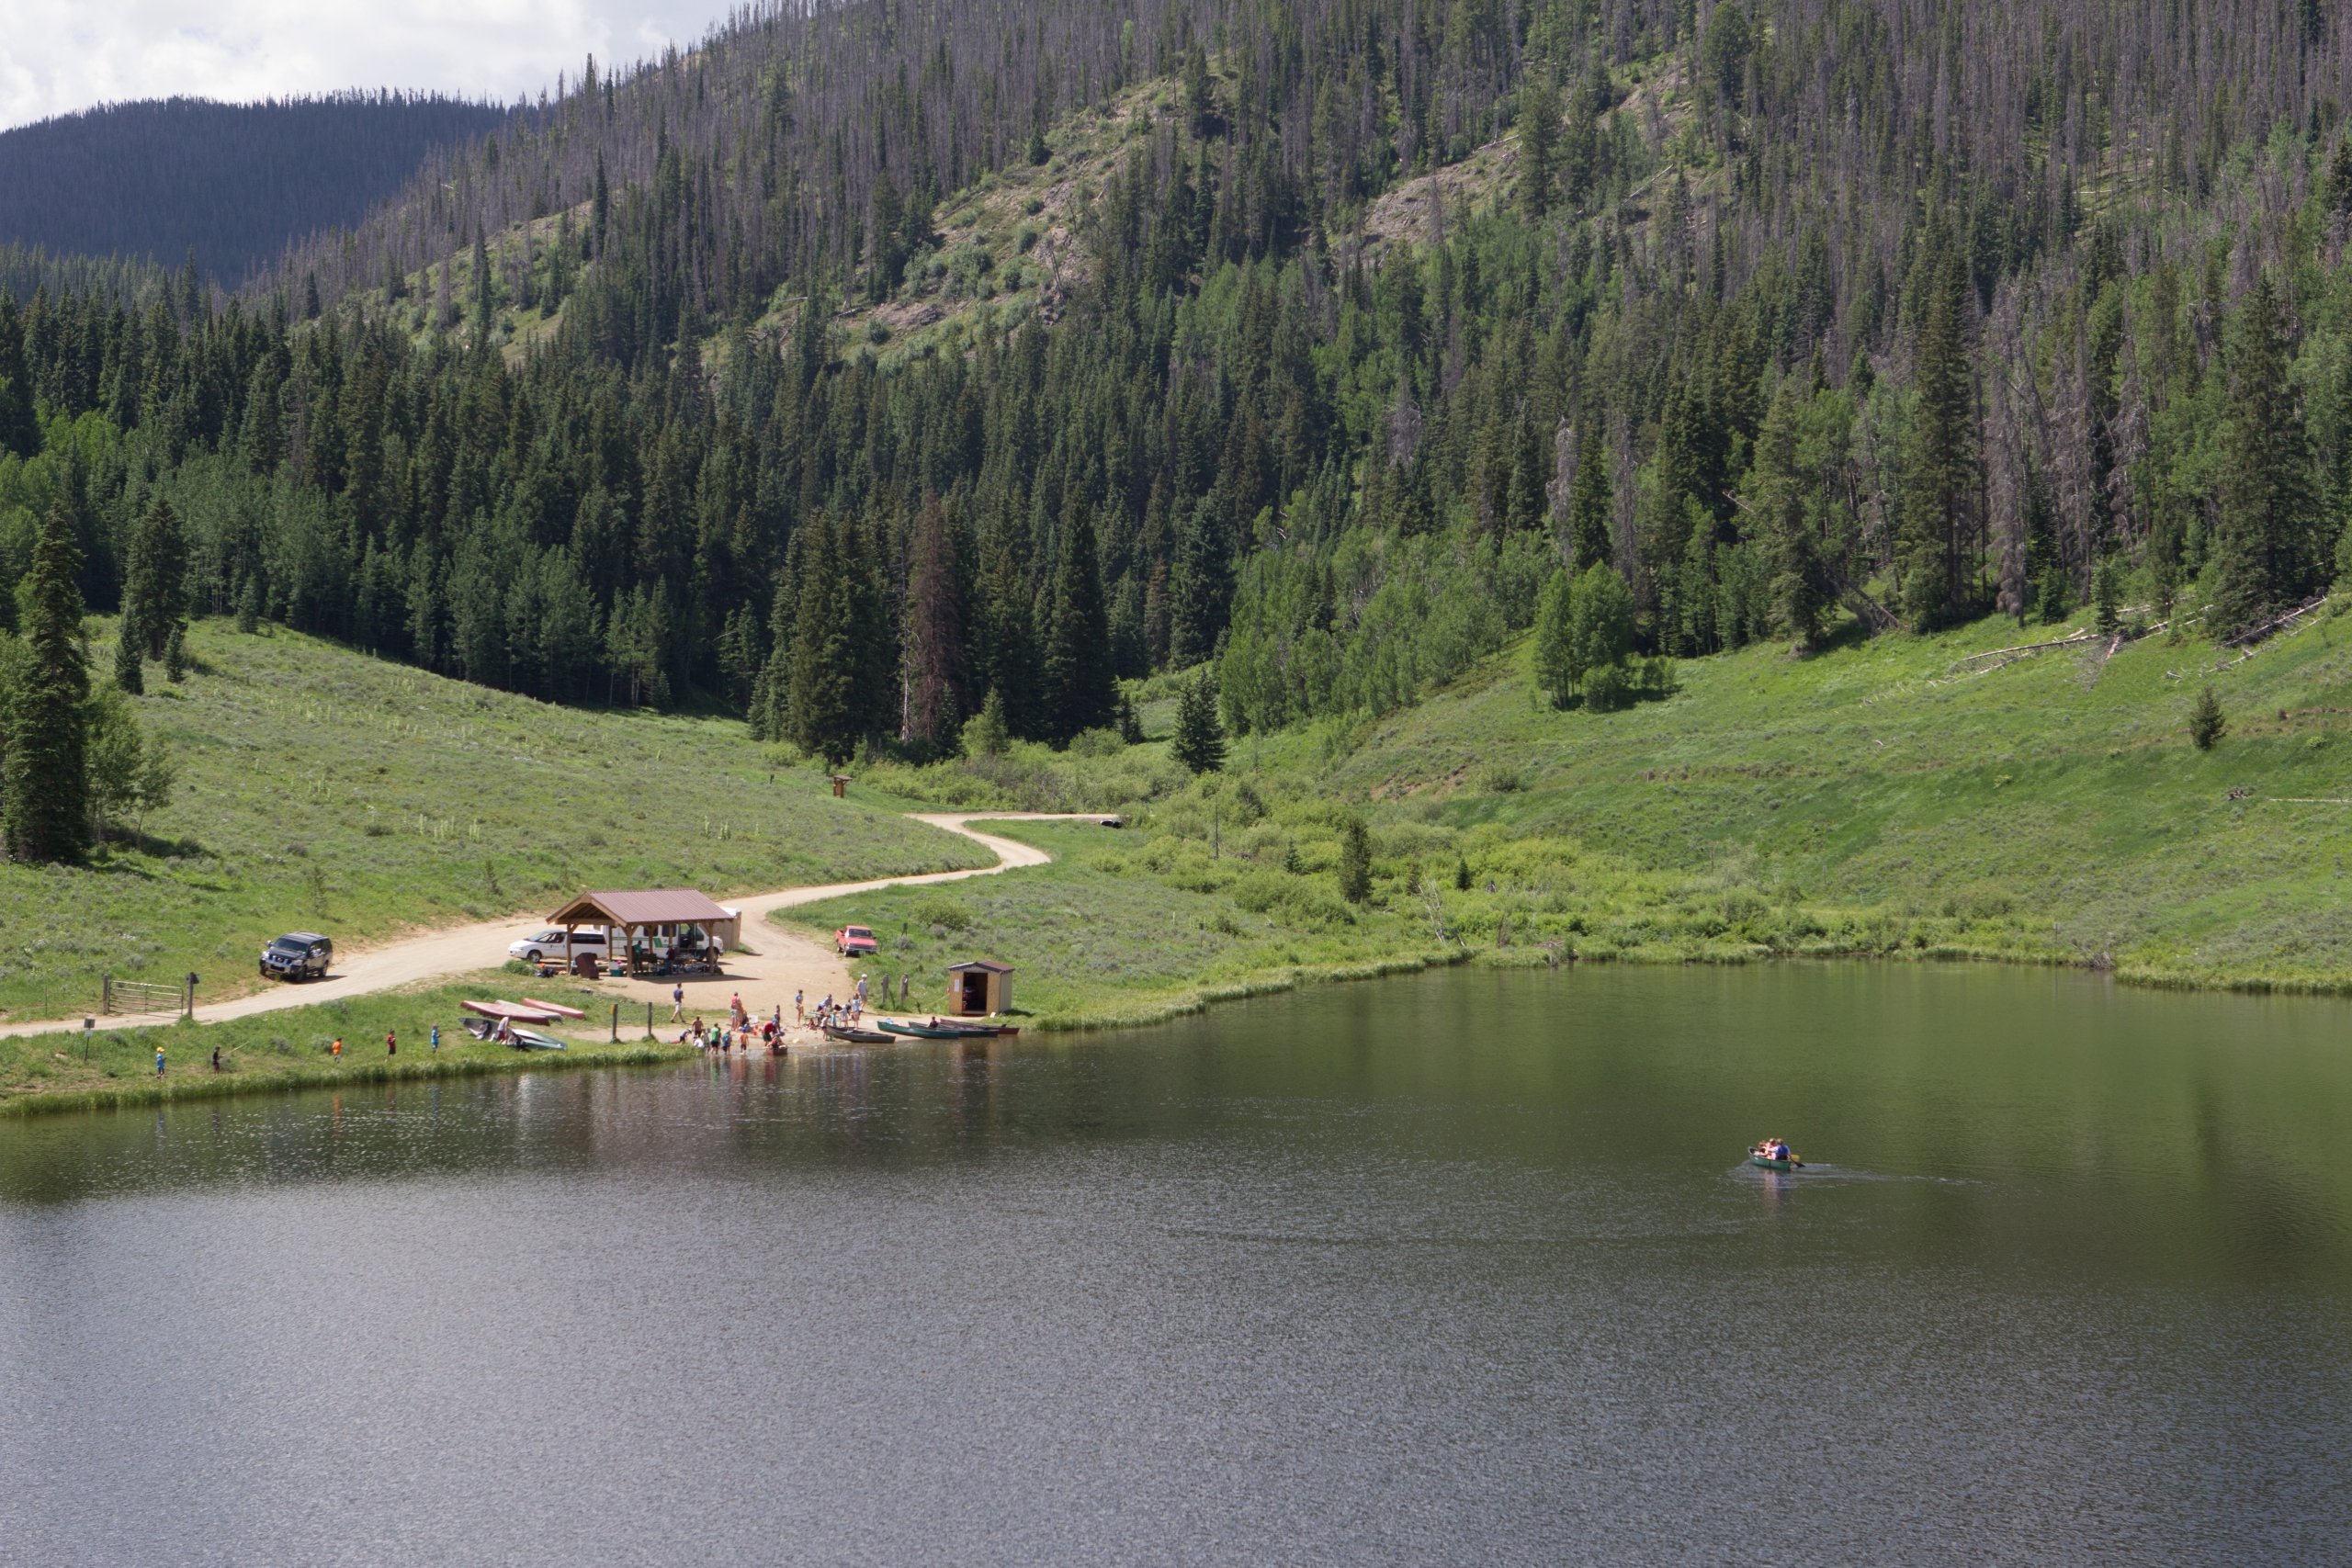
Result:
{"points": [[1162, 1008]]}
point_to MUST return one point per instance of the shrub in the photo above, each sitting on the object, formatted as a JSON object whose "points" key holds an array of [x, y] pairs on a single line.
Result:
{"points": [[939, 913], [1606, 688]]}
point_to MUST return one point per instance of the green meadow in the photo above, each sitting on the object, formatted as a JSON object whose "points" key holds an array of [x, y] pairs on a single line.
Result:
{"points": [[319, 788], [1900, 796]]}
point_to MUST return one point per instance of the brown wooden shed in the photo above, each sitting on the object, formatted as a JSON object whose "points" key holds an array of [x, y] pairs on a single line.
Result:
{"points": [[653, 915], [978, 985]]}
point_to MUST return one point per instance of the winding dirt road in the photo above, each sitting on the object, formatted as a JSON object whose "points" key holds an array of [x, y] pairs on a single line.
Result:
{"points": [[779, 962]]}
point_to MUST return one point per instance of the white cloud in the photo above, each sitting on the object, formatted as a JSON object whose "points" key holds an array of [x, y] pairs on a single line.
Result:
{"points": [[57, 56]]}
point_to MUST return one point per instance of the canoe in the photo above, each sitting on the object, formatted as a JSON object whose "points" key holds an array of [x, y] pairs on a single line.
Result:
{"points": [[924, 1031], [525, 1040], [510, 1012], [558, 1009], [1790, 1164], [857, 1036]]}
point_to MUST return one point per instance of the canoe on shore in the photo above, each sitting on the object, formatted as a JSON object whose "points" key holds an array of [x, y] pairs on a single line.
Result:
{"points": [[558, 1009], [858, 1036], [510, 1012], [529, 1040]]}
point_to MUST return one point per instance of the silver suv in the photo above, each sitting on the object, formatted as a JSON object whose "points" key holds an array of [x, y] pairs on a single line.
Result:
{"points": [[297, 955]]}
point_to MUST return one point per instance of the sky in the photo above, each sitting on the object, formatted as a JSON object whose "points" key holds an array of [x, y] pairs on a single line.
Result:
{"points": [[57, 56]]}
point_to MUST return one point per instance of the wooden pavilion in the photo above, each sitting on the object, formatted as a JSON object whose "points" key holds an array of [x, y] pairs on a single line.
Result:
{"points": [[650, 916]]}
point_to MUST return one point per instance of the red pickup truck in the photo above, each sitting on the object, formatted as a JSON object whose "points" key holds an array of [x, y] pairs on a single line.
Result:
{"points": [[854, 940]]}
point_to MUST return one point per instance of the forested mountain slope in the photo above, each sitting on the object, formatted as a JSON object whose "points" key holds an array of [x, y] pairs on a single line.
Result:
{"points": [[1359, 324], [232, 183]]}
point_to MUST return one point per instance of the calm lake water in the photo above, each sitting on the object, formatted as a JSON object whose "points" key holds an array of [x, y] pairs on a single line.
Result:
{"points": [[1459, 1269]]}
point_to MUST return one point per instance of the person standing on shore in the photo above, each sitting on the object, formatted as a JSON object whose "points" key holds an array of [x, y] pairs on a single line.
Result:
{"points": [[677, 1000], [159, 1061], [216, 1058], [391, 1043], [799, 1006], [436, 1037], [334, 1048]]}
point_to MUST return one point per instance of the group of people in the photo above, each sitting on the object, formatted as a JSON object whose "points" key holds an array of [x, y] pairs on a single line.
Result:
{"points": [[1772, 1149], [738, 1034]]}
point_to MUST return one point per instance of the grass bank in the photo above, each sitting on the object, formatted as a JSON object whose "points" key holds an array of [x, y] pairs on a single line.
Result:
{"points": [[287, 1050], [320, 788], [1911, 797]]}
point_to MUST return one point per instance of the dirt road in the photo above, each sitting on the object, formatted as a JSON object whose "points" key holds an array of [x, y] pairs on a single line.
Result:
{"points": [[778, 962]]}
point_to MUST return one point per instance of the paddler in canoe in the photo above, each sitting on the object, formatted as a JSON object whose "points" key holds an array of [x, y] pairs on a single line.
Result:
{"points": [[1773, 1153]]}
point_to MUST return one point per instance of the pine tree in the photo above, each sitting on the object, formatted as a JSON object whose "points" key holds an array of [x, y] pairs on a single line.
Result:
{"points": [[1591, 512], [128, 668], [987, 735], [1725, 50], [154, 588], [935, 676], [1539, 140], [1355, 861], [175, 655], [2107, 592], [19, 431], [1554, 672], [1200, 732], [2206, 724], [1941, 494], [821, 719], [1080, 693], [2266, 529], [1800, 588], [481, 281], [46, 797], [1201, 585]]}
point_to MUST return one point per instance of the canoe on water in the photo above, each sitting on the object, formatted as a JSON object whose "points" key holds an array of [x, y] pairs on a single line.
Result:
{"points": [[858, 1036], [1757, 1157], [925, 1031]]}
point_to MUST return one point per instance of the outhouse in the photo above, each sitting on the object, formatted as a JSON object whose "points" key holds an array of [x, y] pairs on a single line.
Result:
{"points": [[978, 986]]}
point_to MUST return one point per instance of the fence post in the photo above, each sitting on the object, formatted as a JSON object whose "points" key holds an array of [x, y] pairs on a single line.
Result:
{"points": [[617, 1022], [649, 1021], [106, 995], [188, 1006]]}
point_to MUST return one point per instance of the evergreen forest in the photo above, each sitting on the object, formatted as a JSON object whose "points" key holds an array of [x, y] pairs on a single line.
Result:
{"points": [[874, 368]]}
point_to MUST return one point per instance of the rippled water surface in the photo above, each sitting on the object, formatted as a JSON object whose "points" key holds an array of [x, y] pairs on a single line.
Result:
{"points": [[1458, 1269]]}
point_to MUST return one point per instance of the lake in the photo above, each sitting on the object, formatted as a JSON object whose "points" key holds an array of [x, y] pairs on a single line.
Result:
{"points": [[1462, 1268]]}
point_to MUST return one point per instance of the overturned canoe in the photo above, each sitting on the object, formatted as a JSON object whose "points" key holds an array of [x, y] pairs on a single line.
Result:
{"points": [[510, 1013], [558, 1009]]}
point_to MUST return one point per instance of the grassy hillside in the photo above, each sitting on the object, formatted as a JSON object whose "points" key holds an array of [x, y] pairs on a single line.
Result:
{"points": [[1893, 796], [320, 788]]}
